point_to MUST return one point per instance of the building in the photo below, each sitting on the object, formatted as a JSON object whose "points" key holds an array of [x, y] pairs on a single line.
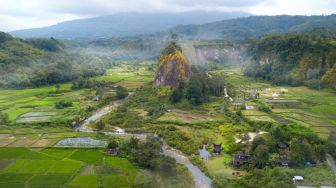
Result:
{"points": [[298, 179], [217, 148], [281, 145], [113, 151], [283, 161], [240, 159]]}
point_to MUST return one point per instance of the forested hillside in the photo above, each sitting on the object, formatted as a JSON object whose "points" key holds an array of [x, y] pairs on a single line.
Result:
{"points": [[294, 59], [255, 26], [36, 62]]}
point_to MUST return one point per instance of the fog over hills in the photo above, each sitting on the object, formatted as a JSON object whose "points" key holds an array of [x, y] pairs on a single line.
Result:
{"points": [[255, 26], [124, 24]]}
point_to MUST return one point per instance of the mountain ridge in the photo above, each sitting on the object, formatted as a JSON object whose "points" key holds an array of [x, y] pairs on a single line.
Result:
{"points": [[124, 24]]}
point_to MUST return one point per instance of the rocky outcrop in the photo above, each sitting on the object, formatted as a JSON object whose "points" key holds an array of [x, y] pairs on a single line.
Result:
{"points": [[173, 67]]}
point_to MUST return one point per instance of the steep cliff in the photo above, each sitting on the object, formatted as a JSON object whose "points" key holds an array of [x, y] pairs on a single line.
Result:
{"points": [[173, 67]]}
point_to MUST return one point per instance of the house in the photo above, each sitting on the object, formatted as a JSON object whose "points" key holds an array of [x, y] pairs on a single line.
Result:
{"points": [[281, 145], [310, 163], [95, 98], [249, 107], [204, 154], [283, 161], [217, 148], [254, 94], [240, 159], [113, 151], [298, 179]]}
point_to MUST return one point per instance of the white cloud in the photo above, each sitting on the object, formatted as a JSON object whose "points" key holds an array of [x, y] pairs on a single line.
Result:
{"points": [[19, 14]]}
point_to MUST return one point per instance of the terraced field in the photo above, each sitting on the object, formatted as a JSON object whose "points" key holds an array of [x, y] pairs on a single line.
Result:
{"points": [[312, 108], [21, 167], [38, 104]]}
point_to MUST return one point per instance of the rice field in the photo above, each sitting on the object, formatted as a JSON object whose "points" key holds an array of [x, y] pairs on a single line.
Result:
{"points": [[37, 105], [307, 107], [22, 167]]}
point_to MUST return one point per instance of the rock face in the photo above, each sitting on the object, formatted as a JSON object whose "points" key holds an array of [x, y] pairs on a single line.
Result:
{"points": [[173, 67]]}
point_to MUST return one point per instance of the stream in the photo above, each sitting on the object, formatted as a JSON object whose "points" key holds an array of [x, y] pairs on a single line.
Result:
{"points": [[200, 179]]}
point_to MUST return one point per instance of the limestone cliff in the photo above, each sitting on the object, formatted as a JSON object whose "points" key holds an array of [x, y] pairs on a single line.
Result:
{"points": [[173, 67]]}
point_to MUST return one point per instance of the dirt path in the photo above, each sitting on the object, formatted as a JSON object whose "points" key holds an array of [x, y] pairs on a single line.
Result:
{"points": [[331, 163]]}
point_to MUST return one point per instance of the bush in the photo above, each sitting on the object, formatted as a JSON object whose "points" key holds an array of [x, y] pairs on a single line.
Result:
{"points": [[100, 125], [264, 108], [63, 104], [121, 92], [3, 118]]}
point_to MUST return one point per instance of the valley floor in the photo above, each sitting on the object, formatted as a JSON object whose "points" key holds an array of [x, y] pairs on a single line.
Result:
{"points": [[28, 158]]}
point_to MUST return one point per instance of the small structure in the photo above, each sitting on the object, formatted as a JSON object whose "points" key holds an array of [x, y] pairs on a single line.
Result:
{"points": [[274, 95], [237, 105], [249, 107], [281, 145], [283, 91], [217, 148], [283, 161], [240, 159], [226, 96], [254, 94], [204, 154], [95, 98], [298, 179], [310, 163], [113, 151]]}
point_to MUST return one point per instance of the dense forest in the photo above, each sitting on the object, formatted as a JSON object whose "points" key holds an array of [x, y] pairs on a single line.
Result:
{"points": [[36, 62], [294, 59]]}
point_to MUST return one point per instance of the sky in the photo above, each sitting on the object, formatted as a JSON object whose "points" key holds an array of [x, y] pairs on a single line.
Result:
{"points": [[24, 14]]}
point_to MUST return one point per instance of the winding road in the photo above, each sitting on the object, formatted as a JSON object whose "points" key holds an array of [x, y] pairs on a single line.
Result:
{"points": [[200, 179]]}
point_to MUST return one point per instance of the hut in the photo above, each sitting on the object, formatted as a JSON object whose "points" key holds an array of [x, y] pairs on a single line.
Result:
{"points": [[281, 145], [298, 179], [113, 151], [217, 148], [241, 158], [283, 161]]}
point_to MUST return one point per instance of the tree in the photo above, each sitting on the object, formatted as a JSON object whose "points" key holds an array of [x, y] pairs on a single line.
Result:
{"points": [[330, 77], [177, 93], [3, 118], [112, 144], [300, 151], [121, 92], [57, 88], [100, 125], [63, 104], [260, 156]]}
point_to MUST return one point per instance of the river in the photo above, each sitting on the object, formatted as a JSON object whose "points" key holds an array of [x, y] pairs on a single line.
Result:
{"points": [[200, 179]]}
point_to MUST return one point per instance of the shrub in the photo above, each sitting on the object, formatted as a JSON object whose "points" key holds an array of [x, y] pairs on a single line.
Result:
{"points": [[3, 118], [63, 104], [121, 92]]}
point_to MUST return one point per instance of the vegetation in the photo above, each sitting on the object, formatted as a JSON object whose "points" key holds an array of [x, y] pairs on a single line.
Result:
{"points": [[121, 92], [63, 104], [37, 62], [293, 59]]}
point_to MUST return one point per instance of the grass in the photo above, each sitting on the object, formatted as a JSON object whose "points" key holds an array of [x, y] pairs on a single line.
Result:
{"points": [[85, 181], [20, 167], [314, 108], [314, 176], [91, 156], [24, 105], [220, 166]]}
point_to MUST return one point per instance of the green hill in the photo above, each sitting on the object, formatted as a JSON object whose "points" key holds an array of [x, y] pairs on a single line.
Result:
{"points": [[294, 59], [35, 62]]}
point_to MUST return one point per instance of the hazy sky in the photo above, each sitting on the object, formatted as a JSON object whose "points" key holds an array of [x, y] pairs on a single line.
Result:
{"points": [[21, 14]]}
